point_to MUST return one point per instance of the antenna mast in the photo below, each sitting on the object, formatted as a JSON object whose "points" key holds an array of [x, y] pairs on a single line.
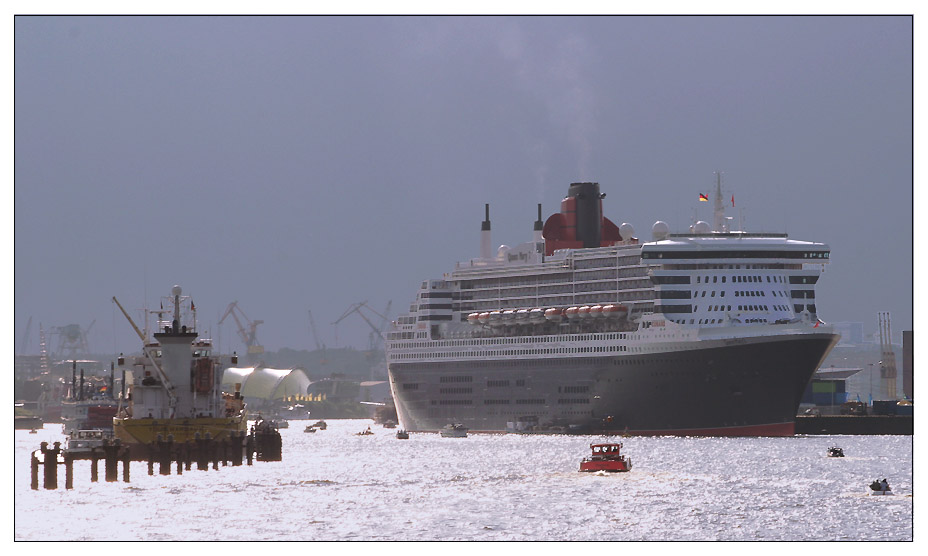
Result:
{"points": [[718, 220]]}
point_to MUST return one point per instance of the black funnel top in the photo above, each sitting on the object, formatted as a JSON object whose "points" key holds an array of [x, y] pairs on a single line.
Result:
{"points": [[589, 212]]}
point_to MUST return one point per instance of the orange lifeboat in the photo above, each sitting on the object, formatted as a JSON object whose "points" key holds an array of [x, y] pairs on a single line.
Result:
{"points": [[473, 318], [522, 314], [484, 318], [571, 312], [596, 311], [614, 310], [583, 312], [536, 316], [554, 315]]}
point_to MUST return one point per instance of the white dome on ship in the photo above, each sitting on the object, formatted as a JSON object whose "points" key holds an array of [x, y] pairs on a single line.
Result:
{"points": [[626, 230], [660, 230], [701, 227], [502, 251]]}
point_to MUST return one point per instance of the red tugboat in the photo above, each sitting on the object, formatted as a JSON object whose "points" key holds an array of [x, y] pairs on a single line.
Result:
{"points": [[606, 457]]}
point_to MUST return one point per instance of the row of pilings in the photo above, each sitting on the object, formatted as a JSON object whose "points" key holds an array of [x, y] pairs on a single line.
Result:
{"points": [[164, 452]]}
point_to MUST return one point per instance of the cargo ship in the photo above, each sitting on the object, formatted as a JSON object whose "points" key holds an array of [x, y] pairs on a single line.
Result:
{"points": [[712, 331], [174, 387]]}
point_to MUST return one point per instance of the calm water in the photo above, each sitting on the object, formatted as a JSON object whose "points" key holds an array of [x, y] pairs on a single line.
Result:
{"points": [[333, 485]]}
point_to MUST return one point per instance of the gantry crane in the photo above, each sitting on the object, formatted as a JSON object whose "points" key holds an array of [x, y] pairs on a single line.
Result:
{"points": [[249, 334], [374, 355], [376, 336]]}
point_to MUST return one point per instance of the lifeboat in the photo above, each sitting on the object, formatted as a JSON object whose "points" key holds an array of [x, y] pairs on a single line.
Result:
{"points": [[571, 312], [596, 311], [606, 457], [583, 312], [554, 315], [484, 318], [522, 314], [473, 318], [495, 318], [614, 311], [509, 315], [536, 316]]}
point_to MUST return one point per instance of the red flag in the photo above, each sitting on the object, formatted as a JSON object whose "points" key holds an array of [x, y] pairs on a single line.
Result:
{"points": [[703, 197], [192, 308], [732, 200]]}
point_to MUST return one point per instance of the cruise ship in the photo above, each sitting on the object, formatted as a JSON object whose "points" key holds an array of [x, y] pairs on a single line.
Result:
{"points": [[712, 332]]}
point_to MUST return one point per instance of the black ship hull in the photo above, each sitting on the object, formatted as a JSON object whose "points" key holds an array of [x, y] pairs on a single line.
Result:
{"points": [[734, 387]]}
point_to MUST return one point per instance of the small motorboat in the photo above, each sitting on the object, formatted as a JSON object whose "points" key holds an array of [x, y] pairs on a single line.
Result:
{"points": [[85, 441], [880, 488], [454, 430], [309, 428], [402, 434], [835, 452], [606, 457], [320, 425], [365, 432]]}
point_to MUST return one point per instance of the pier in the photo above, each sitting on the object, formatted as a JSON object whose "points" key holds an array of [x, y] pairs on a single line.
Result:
{"points": [[263, 444]]}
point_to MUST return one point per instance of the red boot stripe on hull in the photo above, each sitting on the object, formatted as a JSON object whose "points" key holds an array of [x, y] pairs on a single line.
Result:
{"points": [[773, 429]]}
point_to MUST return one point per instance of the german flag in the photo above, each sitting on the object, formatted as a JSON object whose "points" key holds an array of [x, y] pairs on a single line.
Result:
{"points": [[703, 197]]}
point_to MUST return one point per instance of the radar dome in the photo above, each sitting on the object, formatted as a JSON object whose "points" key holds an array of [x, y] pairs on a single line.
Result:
{"points": [[660, 230], [626, 231], [175, 290], [502, 251], [701, 227]]}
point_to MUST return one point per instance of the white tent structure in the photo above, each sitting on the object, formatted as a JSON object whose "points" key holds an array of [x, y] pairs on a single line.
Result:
{"points": [[266, 384]]}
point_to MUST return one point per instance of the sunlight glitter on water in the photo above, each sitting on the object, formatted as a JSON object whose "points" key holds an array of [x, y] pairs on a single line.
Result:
{"points": [[333, 485]]}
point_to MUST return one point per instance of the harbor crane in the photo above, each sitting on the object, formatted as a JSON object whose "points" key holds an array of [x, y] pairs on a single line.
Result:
{"points": [[312, 326], [249, 334], [374, 354], [72, 340], [25, 344], [376, 336], [319, 345]]}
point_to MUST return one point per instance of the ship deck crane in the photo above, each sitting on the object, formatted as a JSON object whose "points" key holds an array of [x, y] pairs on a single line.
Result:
{"points": [[165, 382], [249, 334]]}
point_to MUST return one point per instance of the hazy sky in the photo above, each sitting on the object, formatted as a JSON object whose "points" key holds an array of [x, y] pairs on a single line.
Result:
{"points": [[295, 163]]}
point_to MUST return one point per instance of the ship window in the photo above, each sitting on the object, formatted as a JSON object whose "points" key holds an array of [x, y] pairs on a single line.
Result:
{"points": [[697, 279], [715, 279], [713, 293]]}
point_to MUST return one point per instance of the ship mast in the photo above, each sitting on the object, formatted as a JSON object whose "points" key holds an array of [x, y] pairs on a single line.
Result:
{"points": [[718, 220]]}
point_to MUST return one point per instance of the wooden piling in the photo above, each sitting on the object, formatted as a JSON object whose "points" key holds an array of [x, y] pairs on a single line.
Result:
{"points": [[68, 471], [187, 451], [110, 462], [51, 465], [164, 456], [34, 465], [201, 453], [125, 464], [94, 466]]}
